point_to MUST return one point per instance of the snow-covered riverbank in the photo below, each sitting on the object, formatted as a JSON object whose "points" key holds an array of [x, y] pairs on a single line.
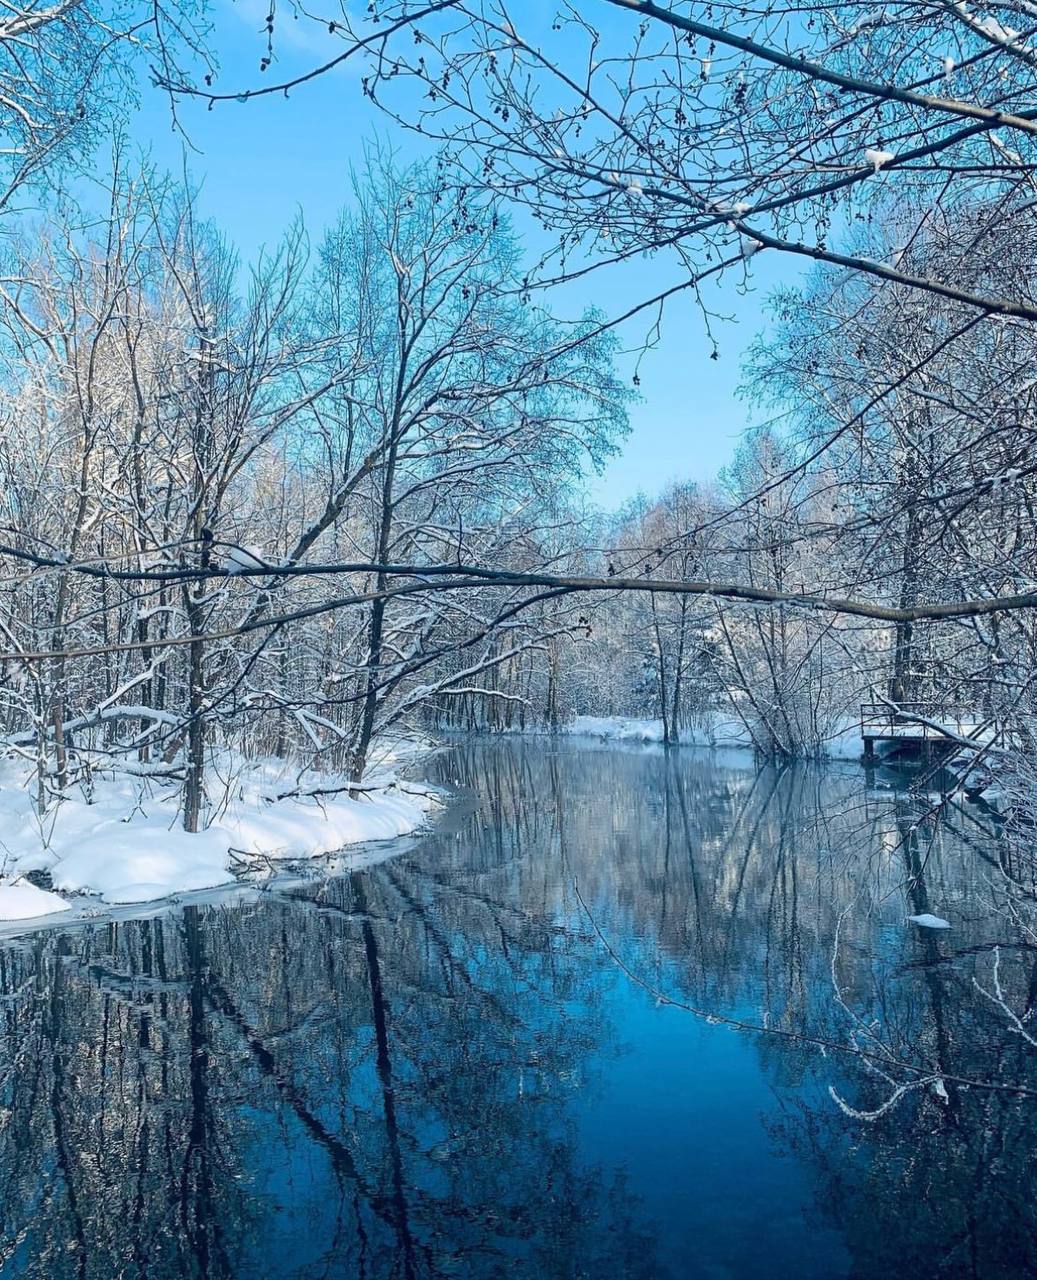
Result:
{"points": [[120, 840], [719, 732]]}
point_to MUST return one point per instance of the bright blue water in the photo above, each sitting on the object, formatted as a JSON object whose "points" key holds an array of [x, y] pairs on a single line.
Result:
{"points": [[473, 1059]]}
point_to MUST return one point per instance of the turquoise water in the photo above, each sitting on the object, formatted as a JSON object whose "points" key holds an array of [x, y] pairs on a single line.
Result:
{"points": [[590, 1026]]}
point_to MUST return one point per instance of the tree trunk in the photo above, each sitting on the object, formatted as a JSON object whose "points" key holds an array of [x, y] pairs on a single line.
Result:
{"points": [[194, 780], [902, 685]]}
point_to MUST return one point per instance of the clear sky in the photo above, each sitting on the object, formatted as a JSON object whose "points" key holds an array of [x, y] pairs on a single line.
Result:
{"points": [[262, 162]]}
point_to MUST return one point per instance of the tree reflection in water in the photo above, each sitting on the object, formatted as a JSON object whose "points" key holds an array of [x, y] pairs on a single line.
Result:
{"points": [[392, 1073]]}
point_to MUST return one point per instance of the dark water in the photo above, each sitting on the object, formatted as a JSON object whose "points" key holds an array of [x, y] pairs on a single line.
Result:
{"points": [[463, 1062]]}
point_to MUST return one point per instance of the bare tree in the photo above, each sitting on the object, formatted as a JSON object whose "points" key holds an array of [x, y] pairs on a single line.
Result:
{"points": [[709, 133]]}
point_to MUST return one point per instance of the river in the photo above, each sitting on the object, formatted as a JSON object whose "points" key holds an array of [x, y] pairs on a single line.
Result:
{"points": [[612, 1017]]}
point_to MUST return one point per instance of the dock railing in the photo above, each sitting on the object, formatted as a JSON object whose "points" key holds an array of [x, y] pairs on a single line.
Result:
{"points": [[928, 721]]}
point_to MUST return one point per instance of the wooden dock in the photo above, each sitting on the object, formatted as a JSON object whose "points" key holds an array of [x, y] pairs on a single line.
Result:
{"points": [[924, 730]]}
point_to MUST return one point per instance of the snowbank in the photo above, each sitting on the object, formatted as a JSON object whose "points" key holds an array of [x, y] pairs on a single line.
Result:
{"points": [[718, 731], [23, 901], [615, 729], [846, 742], [123, 841]]}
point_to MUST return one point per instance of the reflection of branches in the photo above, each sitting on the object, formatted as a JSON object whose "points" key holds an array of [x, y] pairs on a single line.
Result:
{"points": [[449, 964], [339, 1155], [62, 1146], [859, 1026], [997, 998], [383, 1065], [927, 1074], [750, 845], [899, 1090]]}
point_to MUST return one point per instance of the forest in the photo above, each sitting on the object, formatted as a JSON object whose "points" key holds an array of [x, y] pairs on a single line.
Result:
{"points": [[266, 522]]}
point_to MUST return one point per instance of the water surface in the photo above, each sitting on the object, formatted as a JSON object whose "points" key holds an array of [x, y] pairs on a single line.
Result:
{"points": [[520, 1047]]}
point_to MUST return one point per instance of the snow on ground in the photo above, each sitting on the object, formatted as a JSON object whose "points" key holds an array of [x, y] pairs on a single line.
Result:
{"points": [[719, 731], [23, 901], [124, 842], [846, 742], [615, 728]]}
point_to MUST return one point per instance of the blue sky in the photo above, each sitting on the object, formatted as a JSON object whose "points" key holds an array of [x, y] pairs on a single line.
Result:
{"points": [[262, 162]]}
